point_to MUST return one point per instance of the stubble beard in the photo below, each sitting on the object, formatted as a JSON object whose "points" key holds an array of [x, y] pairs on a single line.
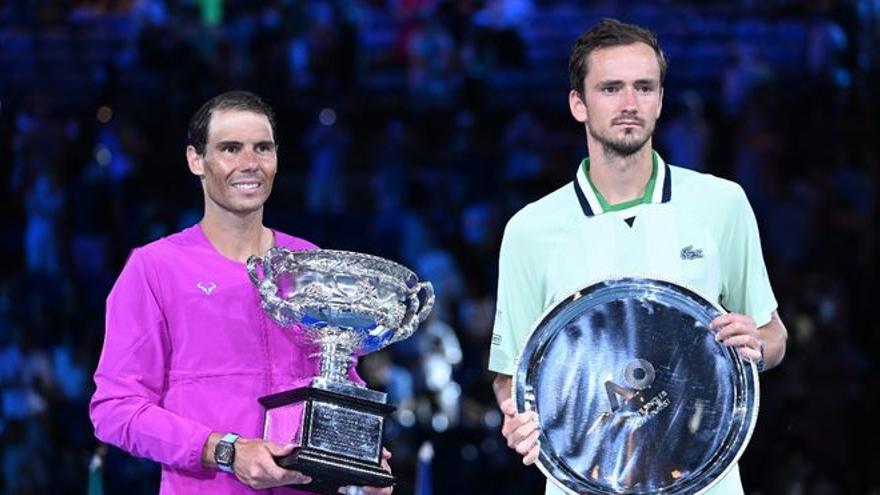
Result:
{"points": [[623, 147], [226, 201]]}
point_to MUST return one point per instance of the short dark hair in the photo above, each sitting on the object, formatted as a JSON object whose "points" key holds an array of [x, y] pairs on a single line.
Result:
{"points": [[197, 132], [606, 34]]}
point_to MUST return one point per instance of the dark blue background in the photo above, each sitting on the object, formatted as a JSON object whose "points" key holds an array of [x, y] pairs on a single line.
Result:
{"points": [[413, 130]]}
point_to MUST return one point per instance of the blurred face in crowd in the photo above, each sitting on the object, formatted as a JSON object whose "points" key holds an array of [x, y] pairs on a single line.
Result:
{"points": [[239, 163], [622, 98]]}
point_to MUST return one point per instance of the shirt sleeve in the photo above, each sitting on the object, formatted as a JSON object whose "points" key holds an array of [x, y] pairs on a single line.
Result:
{"points": [[126, 409], [745, 286], [519, 303]]}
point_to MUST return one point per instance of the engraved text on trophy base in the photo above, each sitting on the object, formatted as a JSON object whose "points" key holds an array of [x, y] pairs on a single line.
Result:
{"points": [[345, 431]]}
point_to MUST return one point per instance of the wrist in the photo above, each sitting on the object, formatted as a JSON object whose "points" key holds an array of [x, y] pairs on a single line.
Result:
{"points": [[224, 452], [761, 364], [208, 450]]}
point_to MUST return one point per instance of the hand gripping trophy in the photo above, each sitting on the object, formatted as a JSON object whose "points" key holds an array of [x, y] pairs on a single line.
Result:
{"points": [[348, 304]]}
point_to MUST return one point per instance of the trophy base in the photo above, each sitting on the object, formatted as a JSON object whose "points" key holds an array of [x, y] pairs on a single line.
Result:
{"points": [[337, 431], [329, 473]]}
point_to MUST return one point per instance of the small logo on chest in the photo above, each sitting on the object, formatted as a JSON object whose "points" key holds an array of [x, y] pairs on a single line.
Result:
{"points": [[689, 252], [207, 288]]}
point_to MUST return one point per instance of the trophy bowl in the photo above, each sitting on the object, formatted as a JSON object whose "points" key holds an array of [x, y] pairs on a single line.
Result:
{"points": [[632, 392], [349, 304]]}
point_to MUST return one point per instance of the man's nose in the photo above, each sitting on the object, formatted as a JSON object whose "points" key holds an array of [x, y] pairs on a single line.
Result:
{"points": [[249, 160], [629, 100]]}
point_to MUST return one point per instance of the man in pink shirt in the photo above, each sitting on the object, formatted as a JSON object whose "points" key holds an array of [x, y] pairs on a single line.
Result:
{"points": [[187, 349]]}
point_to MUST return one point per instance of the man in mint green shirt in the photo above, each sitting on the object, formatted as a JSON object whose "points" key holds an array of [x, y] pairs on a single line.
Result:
{"points": [[628, 212]]}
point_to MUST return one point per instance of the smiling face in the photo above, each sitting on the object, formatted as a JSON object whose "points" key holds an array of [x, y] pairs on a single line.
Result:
{"points": [[622, 98], [239, 163]]}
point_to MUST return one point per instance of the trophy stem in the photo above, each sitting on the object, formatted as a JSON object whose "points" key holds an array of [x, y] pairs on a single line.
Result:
{"points": [[337, 347]]}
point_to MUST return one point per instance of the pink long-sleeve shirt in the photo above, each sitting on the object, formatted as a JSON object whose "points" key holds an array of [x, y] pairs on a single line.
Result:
{"points": [[187, 351]]}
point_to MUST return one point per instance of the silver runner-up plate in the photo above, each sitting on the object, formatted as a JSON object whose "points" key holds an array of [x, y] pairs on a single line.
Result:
{"points": [[632, 392]]}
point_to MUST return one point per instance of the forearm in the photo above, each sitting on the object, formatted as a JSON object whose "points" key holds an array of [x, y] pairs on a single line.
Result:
{"points": [[143, 428], [502, 387], [774, 336]]}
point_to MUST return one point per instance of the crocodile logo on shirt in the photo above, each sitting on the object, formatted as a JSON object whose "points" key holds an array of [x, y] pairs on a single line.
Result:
{"points": [[207, 288], [689, 252]]}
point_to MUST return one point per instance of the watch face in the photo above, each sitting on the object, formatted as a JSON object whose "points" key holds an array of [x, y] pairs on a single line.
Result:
{"points": [[224, 454]]}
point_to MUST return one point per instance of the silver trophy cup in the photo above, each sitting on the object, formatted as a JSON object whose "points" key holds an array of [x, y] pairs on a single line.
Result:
{"points": [[348, 304]]}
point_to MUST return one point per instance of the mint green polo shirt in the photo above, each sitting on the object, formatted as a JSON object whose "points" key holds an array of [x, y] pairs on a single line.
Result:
{"points": [[691, 228]]}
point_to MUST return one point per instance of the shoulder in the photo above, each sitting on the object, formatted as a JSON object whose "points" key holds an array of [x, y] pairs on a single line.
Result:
{"points": [[291, 242], [168, 246], [145, 268], [707, 189], [545, 216]]}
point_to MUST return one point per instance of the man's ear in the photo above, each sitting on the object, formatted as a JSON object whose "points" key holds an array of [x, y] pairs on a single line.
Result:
{"points": [[577, 106], [195, 161]]}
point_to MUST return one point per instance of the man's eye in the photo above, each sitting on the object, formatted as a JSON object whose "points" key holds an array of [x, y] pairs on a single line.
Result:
{"points": [[229, 148], [609, 90]]}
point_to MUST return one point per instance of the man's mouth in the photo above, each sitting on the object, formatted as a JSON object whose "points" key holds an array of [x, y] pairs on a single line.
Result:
{"points": [[246, 186]]}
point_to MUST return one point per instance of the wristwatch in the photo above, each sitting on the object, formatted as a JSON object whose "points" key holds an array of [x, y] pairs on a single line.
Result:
{"points": [[224, 452]]}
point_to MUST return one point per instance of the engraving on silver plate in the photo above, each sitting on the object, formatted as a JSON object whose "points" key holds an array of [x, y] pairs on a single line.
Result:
{"points": [[633, 393], [348, 303], [345, 431]]}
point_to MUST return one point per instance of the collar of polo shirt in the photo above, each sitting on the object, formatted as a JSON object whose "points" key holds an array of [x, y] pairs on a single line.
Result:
{"points": [[593, 203]]}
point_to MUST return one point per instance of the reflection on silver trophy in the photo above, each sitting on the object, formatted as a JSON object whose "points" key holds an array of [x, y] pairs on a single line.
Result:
{"points": [[348, 304], [632, 391]]}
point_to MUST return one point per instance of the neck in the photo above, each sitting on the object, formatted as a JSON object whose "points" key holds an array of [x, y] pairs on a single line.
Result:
{"points": [[621, 178], [237, 237]]}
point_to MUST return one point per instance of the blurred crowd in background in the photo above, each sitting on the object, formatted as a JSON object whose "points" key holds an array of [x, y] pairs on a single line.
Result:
{"points": [[413, 129]]}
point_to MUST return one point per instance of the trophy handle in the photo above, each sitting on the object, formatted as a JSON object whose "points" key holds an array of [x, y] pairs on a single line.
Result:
{"points": [[252, 263], [426, 307], [266, 262], [417, 311], [266, 285]]}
